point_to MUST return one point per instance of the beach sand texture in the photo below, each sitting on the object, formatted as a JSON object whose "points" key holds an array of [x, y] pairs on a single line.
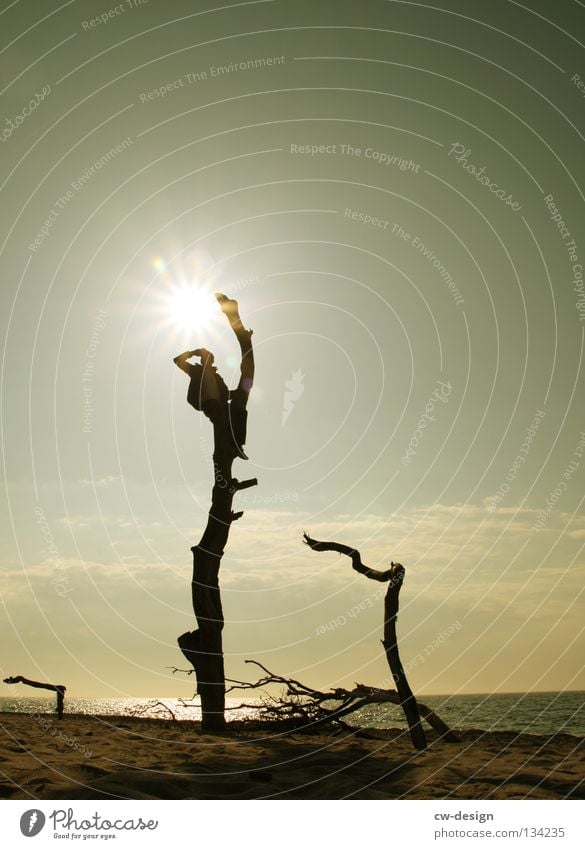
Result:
{"points": [[130, 758]]}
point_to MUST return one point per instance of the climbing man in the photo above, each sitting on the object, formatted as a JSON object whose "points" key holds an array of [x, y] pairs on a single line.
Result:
{"points": [[208, 392]]}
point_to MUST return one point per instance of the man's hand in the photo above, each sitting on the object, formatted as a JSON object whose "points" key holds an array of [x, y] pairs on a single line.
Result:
{"points": [[207, 357], [181, 361]]}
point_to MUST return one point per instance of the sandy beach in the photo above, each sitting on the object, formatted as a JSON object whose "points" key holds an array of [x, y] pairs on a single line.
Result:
{"points": [[130, 758]]}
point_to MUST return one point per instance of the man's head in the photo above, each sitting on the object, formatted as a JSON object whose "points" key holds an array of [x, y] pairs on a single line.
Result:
{"points": [[207, 358]]}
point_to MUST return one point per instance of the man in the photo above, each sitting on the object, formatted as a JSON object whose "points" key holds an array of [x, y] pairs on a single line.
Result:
{"points": [[207, 391]]}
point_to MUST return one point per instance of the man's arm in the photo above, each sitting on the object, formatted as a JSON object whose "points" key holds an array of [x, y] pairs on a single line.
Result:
{"points": [[181, 361], [207, 359]]}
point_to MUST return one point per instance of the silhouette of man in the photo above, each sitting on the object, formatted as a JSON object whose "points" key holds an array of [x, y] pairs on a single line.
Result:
{"points": [[208, 392]]}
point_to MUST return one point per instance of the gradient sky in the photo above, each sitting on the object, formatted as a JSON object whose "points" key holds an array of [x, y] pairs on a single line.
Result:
{"points": [[105, 468]]}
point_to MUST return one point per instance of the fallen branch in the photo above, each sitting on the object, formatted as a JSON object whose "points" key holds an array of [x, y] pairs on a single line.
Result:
{"points": [[57, 688], [149, 708], [305, 707]]}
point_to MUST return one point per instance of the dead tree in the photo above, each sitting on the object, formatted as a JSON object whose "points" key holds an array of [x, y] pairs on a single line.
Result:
{"points": [[227, 412], [57, 688], [306, 708], [394, 576]]}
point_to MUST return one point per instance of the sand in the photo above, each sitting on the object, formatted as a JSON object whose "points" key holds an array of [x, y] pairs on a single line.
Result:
{"points": [[131, 758]]}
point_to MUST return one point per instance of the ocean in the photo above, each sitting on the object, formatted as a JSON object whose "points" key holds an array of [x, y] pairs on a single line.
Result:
{"points": [[531, 713]]}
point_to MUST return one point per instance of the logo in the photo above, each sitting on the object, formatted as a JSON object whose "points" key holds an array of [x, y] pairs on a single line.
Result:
{"points": [[294, 388], [32, 822]]}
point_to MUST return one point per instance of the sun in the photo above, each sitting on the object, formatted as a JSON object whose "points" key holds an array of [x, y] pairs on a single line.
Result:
{"points": [[191, 307], [183, 293]]}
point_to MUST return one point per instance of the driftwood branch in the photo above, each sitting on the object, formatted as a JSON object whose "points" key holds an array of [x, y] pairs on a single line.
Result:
{"points": [[356, 560], [175, 669], [150, 709], [305, 707], [56, 688], [395, 577]]}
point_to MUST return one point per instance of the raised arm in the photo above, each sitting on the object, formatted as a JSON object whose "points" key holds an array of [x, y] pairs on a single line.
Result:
{"points": [[207, 358], [181, 360]]}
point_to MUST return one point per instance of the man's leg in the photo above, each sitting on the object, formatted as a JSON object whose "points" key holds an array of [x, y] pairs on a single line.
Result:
{"points": [[217, 412], [239, 396]]}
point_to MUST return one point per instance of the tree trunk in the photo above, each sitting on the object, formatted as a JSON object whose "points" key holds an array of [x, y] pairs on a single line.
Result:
{"points": [[203, 647], [390, 643]]}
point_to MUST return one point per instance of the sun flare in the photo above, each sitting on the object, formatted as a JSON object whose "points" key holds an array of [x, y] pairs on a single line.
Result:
{"points": [[191, 307]]}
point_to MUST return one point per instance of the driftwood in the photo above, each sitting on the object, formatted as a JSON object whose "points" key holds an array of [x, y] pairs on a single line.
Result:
{"points": [[305, 707], [56, 688], [395, 577], [154, 708], [203, 647]]}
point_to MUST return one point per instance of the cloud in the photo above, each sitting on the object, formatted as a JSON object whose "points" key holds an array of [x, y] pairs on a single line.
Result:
{"points": [[455, 554]]}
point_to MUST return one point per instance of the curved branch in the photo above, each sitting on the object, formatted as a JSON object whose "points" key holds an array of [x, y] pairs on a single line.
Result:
{"points": [[19, 679], [394, 576], [353, 553]]}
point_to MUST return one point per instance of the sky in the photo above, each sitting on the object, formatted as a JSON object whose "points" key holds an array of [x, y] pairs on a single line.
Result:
{"points": [[393, 192]]}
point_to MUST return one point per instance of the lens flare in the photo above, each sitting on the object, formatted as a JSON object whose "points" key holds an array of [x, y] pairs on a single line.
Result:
{"points": [[191, 307]]}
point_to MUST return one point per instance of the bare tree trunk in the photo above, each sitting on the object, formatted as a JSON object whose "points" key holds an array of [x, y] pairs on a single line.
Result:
{"points": [[395, 576], [57, 688], [203, 647], [390, 643]]}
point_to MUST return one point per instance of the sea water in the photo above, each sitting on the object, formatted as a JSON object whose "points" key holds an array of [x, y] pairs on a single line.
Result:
{"points": [[531, 713]]}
